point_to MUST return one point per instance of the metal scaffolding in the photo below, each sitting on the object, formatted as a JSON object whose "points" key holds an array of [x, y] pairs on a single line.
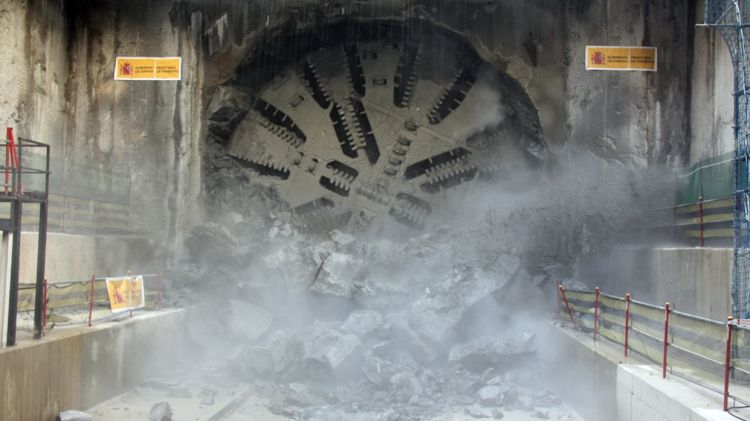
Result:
{"points": [[731, 18], [23, 184]]}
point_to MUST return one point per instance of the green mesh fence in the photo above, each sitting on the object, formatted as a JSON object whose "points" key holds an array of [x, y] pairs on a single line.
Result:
{"points": [[709, 179]]}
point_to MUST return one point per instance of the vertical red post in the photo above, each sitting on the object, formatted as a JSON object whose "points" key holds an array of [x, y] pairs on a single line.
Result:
{"points": [[13, 155], [91, 299], [44, 305], [700, 204], [567, 306], [7, 166], [130, 294], [596, 312], [666, 341], [158, 291], [727, 363], [627, 322]]}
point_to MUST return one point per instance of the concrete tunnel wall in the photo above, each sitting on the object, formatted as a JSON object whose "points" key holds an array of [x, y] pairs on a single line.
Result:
{"points": [[59, 88]]}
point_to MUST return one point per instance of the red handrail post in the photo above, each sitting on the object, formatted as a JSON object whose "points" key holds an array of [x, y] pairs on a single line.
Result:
{"points": [[666, 341], [567, 305], [727, 363], [596, 312], [700, 204], [91, 299], [7, 165], [158, 291], [627, 322], [44, 305]]}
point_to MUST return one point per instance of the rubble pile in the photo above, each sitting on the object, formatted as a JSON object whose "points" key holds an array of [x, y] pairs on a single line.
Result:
{"points": [[328, 325], [344, 329]]}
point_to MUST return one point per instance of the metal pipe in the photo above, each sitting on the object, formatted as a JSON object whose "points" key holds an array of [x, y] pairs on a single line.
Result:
{"points": [[46, 302], [16, 209], [41, 256]]}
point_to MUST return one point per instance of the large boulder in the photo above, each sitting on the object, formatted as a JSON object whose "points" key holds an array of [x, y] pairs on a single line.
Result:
{"points": [[330, 354], [247, 320]]}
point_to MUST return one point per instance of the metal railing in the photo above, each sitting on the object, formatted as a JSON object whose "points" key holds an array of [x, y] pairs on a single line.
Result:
{"points": [[85, 296], [713, 354]]}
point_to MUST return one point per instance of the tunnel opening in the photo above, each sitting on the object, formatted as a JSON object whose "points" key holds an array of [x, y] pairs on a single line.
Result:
{"points": [[377, 118]]}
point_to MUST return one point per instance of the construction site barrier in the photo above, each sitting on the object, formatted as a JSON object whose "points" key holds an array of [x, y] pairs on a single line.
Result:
{"points": [[706, 352], [84, 295]]}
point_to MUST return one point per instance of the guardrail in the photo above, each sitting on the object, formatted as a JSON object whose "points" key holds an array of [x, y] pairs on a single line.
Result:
{"points": [[709, 220], [712, 354], [85, 295]]}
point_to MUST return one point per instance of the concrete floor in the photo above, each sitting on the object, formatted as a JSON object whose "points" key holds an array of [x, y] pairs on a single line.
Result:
{"points": [[185, 401]]}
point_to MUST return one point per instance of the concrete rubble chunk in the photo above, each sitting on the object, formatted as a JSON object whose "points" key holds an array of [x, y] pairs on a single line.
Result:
{"points": [[207, 396], [341, 238], [375, 370], [477, 411], [287, 352], [74, 416], [489, 352], [435, 318], [337, 274], [227, 108], [330, 351], [363, 322], [254, 361], [297, 265], [160, 412], [248, 320], [406, 385], [299, 394], [491, 395]]}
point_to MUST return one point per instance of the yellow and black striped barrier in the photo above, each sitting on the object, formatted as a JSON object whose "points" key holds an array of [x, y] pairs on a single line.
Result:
{"points": [[689, 346]]}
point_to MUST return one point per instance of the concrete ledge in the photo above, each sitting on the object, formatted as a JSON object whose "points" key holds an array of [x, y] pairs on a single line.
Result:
{"points": [[602, 385], [78, 368], [643, 395]]}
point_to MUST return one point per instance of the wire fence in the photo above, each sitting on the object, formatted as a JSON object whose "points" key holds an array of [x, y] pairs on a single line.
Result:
{"points": [[712, 354]]}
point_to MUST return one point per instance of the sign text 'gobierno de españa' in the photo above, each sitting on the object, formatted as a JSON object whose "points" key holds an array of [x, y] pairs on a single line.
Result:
{"points": [[148, 68], [126, 293], [621, 58]]}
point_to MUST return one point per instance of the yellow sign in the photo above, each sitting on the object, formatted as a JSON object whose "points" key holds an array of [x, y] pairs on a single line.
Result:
{"points": [[126, 293], [148, 68], [621, 58]]}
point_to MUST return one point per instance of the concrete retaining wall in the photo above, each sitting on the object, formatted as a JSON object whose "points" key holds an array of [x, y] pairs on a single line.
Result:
{"points": [[693, 280], [595, 378], [83, 367], [77, 257]]}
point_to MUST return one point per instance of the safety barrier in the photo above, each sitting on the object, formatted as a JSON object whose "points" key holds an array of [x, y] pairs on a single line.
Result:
{"points": [[712, 354], [705, 200], [86, 296]]}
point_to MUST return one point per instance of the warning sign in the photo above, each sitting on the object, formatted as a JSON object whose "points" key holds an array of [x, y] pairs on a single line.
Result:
{"points": [[621, 58], [126, 293], [148, 68]]}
